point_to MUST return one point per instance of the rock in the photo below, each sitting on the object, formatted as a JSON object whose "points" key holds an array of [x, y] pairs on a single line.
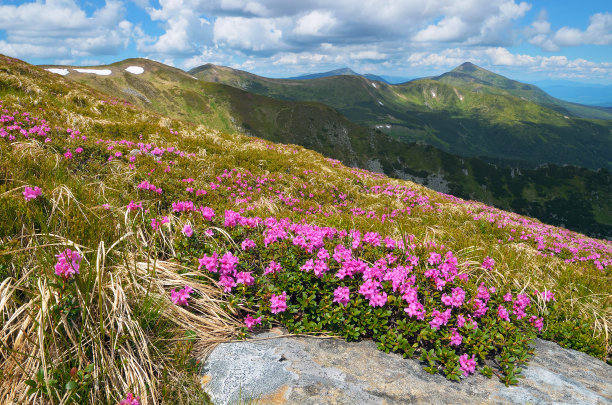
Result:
{"points": [[272, 369]]}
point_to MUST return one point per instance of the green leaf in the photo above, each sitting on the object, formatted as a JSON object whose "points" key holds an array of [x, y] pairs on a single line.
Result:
{"points": [[31, 383], [70, 385]]}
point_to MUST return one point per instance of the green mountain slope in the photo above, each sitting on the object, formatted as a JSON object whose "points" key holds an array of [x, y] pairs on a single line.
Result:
{"points": [[572, 197], [459, 120], [338, 72], [481, 80]]}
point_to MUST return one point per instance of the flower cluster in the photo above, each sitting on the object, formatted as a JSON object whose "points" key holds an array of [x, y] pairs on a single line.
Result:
{"points": [[68, 264], [30, 193], [180, 297]]}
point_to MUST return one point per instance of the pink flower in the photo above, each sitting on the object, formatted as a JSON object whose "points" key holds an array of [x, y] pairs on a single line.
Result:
{"points": [[210, 262], [207, 213], [132, 206], [187, 231], [30, 193], [341, 295], [180, 297], [245, 277], [247, 244], [106, 206], [503, 313], [273, 267], [130, 400], [456, 338], [68, 263], [488, 263], [538, 323], [278, 303], [439, 318], [415, 309], [250, 321], [155, 224], [467, 365]]}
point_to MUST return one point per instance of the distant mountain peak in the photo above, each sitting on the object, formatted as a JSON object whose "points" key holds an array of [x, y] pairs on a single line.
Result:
{"points": [[345, 71], [469, 67]]}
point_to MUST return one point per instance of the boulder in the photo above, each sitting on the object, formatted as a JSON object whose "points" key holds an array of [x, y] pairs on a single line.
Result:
{"points": [[276, 368]]}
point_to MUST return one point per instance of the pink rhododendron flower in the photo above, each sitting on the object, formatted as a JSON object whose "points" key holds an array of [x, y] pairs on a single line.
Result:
{"points": [[245, 277], [456, 338], [68, 263], [180, 297], [467, 365], [250, 321], [187, 231], [273, 267], [30, 193], [341, 295], [503, 313], [130, 400], [247, 244], [488, 263], [210, 262], [439, 318], [538, 323], [132, 206], [207, 212], [155, 224], [278, 303]]}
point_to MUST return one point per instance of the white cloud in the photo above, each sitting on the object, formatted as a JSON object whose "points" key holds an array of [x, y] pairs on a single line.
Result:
{"points": [[250, 34], [447, 30], [61, 29], [496, 57], [372, 55], [315, 23], [599, 32]]}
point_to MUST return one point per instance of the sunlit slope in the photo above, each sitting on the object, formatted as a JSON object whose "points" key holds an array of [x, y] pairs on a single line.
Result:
{"points": [[458, 119], [573, 197]]}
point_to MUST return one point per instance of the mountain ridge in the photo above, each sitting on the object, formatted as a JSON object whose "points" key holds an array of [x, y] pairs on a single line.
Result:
{"points": [[318, 127]]}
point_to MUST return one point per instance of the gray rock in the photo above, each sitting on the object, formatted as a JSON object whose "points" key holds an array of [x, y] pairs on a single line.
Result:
{"points": [[276, 369]]}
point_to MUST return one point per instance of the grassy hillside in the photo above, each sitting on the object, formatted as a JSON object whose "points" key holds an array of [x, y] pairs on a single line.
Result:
{"points": [[571, 197], [481, 80], [137, 241], [462, 120]]}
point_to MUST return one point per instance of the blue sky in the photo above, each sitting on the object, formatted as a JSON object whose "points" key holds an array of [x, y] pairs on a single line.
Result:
{"points": [[526, 40]]}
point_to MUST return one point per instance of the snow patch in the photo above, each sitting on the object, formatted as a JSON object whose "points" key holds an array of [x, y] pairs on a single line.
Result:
{"points": [[380, 102], [62, 72], [374, 85], [137, 70], [101, 72], [433, 93]]}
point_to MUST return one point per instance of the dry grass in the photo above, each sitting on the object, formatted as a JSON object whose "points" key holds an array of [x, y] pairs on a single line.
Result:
{"points": [[108, 330]]}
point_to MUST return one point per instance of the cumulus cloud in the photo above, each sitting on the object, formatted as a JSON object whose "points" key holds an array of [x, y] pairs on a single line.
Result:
{"points": [[249, 34], [599, 32], [495, 57], [61, 29], [315, 23]]}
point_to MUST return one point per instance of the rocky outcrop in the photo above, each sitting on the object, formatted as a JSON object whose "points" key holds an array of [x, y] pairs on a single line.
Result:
{"points": [[277, 369]]}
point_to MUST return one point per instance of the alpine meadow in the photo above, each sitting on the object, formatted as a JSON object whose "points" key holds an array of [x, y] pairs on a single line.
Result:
{"points": [[181, 176]]}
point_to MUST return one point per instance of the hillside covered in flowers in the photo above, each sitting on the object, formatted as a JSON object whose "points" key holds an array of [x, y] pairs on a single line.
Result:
{"points": [[131, 243]]}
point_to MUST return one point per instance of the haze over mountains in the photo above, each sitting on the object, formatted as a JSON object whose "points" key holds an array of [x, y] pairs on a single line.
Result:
{"points": [[440, 131]]}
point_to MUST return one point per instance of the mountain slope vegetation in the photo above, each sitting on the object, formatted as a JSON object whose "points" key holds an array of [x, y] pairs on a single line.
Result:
{"points": [[572, 197], [478, 79], [136, 241], [460, 120]]}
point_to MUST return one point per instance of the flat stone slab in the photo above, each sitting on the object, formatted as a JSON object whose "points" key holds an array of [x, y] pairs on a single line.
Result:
{"points": [[273, 369]]}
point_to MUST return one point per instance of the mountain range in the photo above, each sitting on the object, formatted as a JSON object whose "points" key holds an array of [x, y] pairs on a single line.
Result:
{"points": [[364, 123]]}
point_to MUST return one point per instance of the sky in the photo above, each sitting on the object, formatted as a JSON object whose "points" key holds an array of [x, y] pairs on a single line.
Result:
{"points": [[525, 40]]}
